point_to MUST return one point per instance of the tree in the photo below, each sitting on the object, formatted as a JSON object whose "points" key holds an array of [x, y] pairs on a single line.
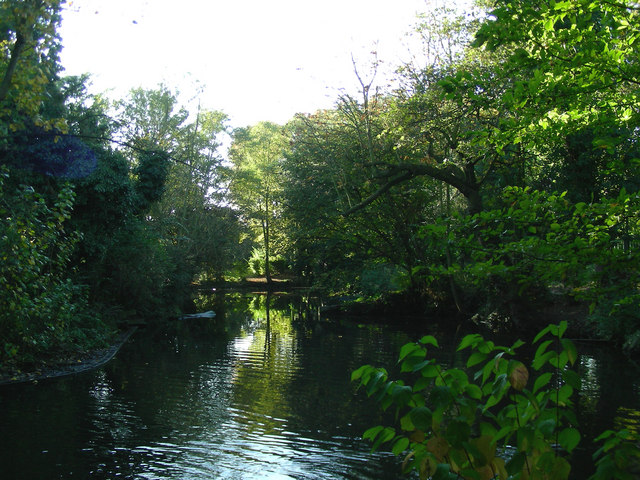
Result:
{"points": [[436, 119], [376, 249], [204, 232], [256, 183], [29, 57], [151, 115], [579, 101], [180, 185], [584, 64]]}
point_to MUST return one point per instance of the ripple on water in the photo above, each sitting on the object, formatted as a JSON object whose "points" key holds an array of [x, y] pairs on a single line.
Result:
{"points": [[273, 405]]}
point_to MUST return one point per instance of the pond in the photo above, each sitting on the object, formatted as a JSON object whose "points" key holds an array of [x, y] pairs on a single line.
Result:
{"points": [[252, 393]]}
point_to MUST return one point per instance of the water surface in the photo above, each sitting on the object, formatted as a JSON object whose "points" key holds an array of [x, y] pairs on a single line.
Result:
{"points": [[235, 397], [251, 394]]}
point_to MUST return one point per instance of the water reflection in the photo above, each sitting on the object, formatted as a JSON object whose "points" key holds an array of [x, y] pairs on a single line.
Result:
{"points": [[261, 391]]}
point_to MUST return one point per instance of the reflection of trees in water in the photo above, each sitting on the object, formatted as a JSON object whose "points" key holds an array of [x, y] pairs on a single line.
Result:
{"points": [[282, 326], [245, 311], [265, 368], [609, 395]]}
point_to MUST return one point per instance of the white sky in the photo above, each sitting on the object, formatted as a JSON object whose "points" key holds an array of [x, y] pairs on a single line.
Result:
{"points": [[253, 59]]}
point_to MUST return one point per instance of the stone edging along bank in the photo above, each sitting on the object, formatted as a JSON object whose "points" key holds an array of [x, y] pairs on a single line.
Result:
{"points": [[96, 360]]}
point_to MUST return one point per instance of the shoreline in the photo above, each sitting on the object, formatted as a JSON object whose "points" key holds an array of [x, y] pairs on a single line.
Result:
{"points": [[94, 360]]}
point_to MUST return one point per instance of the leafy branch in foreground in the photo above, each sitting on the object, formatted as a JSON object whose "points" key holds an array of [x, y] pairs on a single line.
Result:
{"points": [[490, 419]]}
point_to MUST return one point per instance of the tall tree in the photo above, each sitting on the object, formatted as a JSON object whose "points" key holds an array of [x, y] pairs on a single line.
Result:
{"points": [[436, 120], [256, 183], [325, 179], [583, 62], [29, 47], [204, 231]]}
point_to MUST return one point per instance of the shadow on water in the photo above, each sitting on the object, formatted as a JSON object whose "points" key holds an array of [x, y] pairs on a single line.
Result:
{"points": [[261, 391], [256, 392]]}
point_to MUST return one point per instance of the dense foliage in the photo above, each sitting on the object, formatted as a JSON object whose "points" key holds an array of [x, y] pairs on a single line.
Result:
{"points": [[109, 210], [497, 178], [491, 417]]}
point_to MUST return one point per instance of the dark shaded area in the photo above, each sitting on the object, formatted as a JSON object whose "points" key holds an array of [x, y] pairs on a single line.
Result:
{"points": [[51, 153]]}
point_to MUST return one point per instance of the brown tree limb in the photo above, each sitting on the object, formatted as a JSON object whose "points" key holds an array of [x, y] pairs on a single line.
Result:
{"points": [[13, 62], [463, 180], [403, 177]]}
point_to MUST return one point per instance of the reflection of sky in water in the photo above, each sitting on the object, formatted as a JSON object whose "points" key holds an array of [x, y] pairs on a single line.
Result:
{"points": [[590, 388], [250, 404], [239, 416]]}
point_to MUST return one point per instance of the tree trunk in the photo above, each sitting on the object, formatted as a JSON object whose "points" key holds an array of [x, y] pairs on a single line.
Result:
{"points": [[11, 68], [265, 234]]}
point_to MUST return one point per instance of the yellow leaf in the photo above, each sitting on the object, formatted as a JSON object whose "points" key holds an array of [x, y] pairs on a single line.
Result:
{"points": [[498, 465], [439, 447], [519, 376]]}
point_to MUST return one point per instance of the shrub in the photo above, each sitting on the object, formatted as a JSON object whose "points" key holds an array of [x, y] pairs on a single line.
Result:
{"points": [[489, 419]]}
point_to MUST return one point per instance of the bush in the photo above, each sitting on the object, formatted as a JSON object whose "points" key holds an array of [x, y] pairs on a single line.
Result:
{"points": [[40, 306], [488, 420]]}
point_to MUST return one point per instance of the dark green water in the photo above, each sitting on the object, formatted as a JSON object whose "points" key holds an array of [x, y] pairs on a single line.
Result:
{"points": [[238, 397], [205, 399]]}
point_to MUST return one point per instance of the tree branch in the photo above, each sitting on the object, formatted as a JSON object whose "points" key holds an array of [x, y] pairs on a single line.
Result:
{"points": [[13, 62], [449, 174], [403, 177]]}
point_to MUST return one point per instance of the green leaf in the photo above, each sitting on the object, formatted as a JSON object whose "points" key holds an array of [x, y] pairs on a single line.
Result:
{"points": [[541, 381], [429, 340], [440, 396], [443, 472], [486, 372], [562, 327], [421, 365], [431, 371], [571, 350], [607, 434], [357, 374], [377, 378], [421, 418], [407, 424], [516, 463], [400, 445], [572, 378], [457, 432], [559, 360], [407, 350], [475, 358], [372, 433], [542, 333], [548, 24], [539, 361], [569, 439], [564, 394], [491, 401], [473, 391], [401, 394], [422, 383], [468, 341], [547, 427], [561, 468], [504, 431], [386, 435]]}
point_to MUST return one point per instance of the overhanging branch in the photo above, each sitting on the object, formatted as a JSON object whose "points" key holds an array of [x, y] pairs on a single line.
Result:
{"points": [[449, 174], [403, 177]]}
